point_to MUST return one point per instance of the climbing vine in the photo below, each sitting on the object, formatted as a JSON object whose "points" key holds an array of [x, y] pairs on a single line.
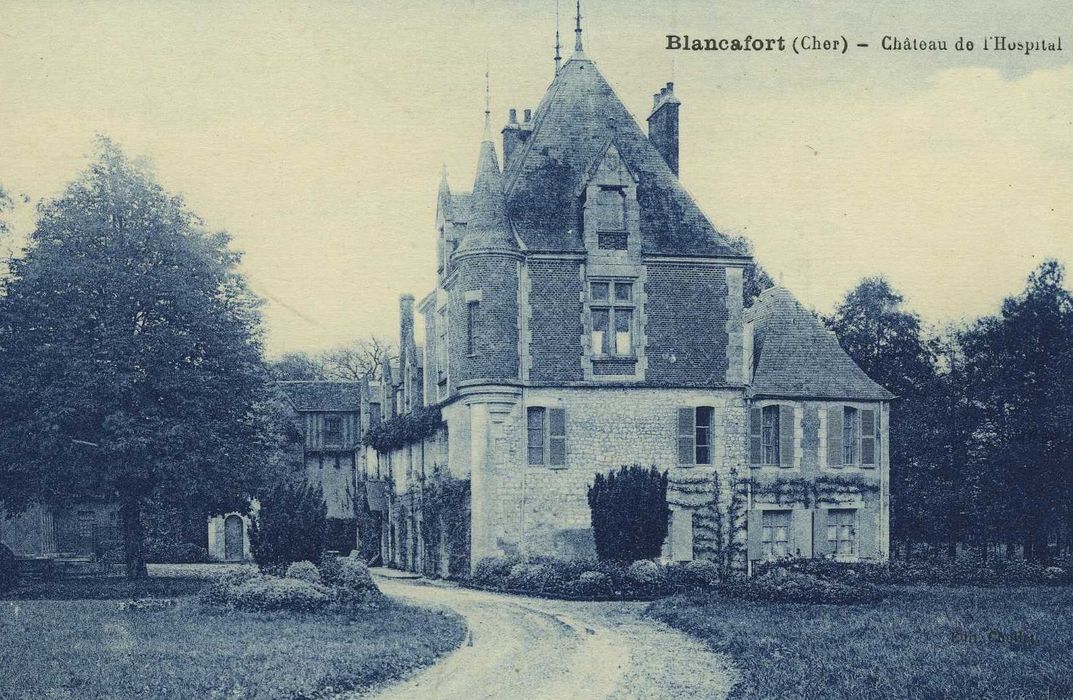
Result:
{"points": [[445, 523], [810, 492], [404, 430]]}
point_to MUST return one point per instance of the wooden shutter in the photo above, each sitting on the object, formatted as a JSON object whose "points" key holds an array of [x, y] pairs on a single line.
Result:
{"points": [[682, 535], [801, 524], [756, 446], [756, 532], [686, 436], [557, 436], [786, 436], [834, 436], [821, 547], [866, 532], [868, 438]]}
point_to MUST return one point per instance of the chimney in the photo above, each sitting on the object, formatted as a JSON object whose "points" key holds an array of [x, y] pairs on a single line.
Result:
{"points": [[663, 125], [515, 134], [406, 322]]}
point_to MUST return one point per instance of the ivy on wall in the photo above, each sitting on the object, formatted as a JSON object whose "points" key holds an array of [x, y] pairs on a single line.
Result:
{"points": [[445, 521], [404, 430], [811, 492]]}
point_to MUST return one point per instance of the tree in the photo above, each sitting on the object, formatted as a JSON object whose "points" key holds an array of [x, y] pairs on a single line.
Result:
{"points": [[130, 357], [297, 366], [1020, 369], [361, 359], [629, 513], [290, 525], [886, 341]]}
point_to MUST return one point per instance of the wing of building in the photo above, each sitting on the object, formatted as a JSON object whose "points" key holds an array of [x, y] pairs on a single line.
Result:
{"points": [[588, 315]]}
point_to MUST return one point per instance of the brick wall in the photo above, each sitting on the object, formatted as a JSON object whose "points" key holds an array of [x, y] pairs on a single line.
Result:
{"points": [[687, 317], [494, 278], [555, 321]]}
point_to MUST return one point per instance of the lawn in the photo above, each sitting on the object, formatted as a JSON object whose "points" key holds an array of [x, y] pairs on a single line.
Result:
{"points": [[90, 648], [922, 643]]}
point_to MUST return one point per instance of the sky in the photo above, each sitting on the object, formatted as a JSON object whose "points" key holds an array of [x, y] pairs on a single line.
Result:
{"points": [[315, 134]]}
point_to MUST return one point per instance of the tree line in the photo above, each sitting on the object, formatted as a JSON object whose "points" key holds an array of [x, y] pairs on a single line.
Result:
{"points": [[981, 434]]}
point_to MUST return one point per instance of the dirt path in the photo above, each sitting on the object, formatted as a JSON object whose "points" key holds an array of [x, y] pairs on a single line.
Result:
{"points": [[543, 649]]}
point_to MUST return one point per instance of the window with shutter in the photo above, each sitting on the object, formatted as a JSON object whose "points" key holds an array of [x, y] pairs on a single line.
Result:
{"points": [[775, 534], [685, 436], [842, 531], [756, 444], [557, 437], [868, 438], [704, 416], [834, 436], [786, 436], [770, 434]]}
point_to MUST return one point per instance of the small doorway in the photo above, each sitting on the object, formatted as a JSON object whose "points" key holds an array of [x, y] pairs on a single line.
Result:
{"points": [[233, 535]]}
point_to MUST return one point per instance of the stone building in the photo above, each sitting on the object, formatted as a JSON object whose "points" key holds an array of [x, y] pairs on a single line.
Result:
{"points": [[587, 315]]}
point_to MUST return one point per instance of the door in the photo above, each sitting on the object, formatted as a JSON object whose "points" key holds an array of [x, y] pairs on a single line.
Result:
{"points": [[233, 528]]}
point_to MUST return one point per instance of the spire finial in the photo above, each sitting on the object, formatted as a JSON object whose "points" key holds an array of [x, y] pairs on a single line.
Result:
{"points": [[558, 58], [487, 103], [577, 29]]}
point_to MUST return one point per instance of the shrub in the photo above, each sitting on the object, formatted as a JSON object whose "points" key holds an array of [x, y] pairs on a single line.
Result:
{"points": [[304, 571], [289, 527], [331, 569], [341, 535], [1054, 574], [221, 590], [699, 574], [591, 583], [629, 513], [644, 574], [355, 585], [267, 593], [791, 587], [493, 570]]}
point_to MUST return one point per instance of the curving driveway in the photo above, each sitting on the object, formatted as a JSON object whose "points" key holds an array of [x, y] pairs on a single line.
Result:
{"points": [[533, 648]]}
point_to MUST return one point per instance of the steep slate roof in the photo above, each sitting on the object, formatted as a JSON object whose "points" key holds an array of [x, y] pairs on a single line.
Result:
{"points": [[577, 118], [794, 355], [323, 396]]}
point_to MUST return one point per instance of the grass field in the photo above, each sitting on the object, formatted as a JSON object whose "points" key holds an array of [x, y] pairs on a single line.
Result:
{"points": [[79, 648], [923, 643]]}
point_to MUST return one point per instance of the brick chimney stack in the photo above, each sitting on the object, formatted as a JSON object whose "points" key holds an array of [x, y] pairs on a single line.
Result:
{"points": [[515, 134], [663, 125]]}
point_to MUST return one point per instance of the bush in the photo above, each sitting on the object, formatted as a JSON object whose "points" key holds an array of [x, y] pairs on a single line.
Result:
{"points": [[791, 587], [629, 513], [341, 535], [699, 574], [267, 593], [355, 584], [594, 584], [330, 567], [492, 571], [644, 574], [304, 571], [289, 527]]}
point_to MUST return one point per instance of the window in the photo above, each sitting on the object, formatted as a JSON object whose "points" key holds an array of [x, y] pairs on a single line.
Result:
{"points": [[842, 531], [546, 436], [771, 436], [471, 327], [333, 431], [852, 436], [695, 435], [610, 209], [612, 309], [775, 534], [441, 347]]}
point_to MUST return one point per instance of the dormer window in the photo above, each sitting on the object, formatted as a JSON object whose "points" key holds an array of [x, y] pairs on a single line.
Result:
{"points": [[610, 208]]}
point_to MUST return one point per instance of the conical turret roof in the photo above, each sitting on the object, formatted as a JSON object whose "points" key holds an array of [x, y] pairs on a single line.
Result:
{"points": [[488, 227]]}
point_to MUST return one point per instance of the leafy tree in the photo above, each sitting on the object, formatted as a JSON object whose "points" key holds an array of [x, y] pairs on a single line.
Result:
{"points": [[1020, 385], [291, 525], [756, 279], [297, 366], [5, 208], [887, 342], [130, 356], [629, 513]]}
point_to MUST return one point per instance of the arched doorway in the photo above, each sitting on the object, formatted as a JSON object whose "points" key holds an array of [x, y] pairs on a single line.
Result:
{"points": [[233, 535]]}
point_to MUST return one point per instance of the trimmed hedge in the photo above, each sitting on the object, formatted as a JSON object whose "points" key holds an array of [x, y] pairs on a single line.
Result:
{"points": [[932, 572], [782, 586]]}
